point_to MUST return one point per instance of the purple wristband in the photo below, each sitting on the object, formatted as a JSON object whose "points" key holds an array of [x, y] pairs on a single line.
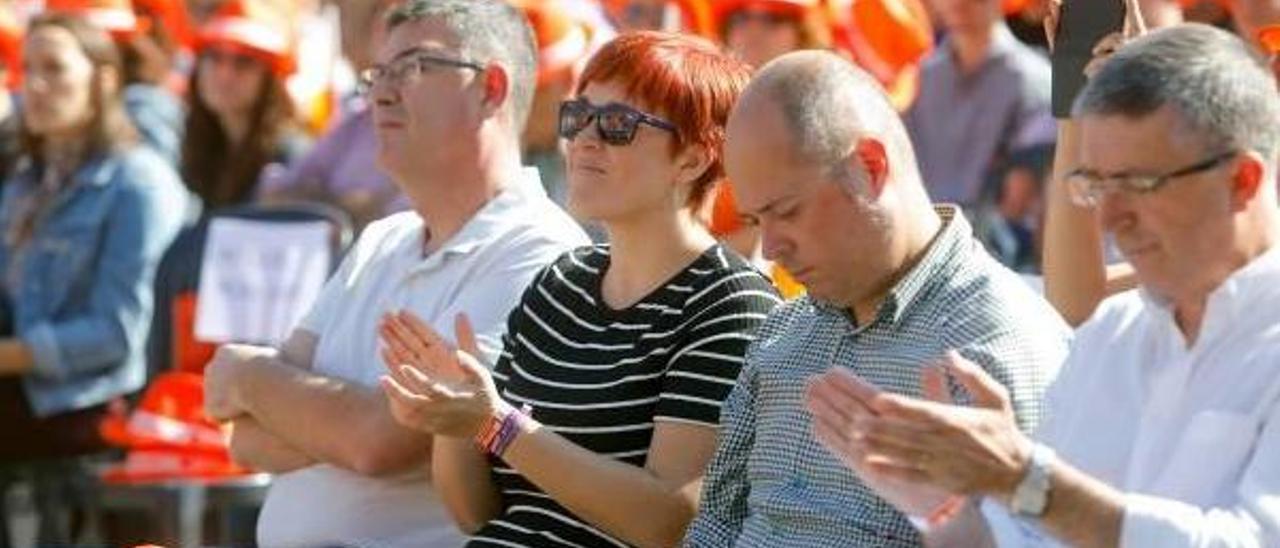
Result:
{"points": [[511, 425]]}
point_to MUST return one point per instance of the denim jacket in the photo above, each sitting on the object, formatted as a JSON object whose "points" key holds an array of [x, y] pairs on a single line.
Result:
{"points": [[81, 299]]}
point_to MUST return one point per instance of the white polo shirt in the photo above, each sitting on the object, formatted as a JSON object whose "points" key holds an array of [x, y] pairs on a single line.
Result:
{"points": [[481, 271]]}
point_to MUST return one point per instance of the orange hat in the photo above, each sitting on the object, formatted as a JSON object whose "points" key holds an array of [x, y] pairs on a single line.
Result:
{"points": [[11, 46], [170, 416], [722, 8], [257, 27], [698, 17], [1269, 39], [114, 16], [564, 42], [887, 38], [695, 15], [172, 15], [168, 435]]}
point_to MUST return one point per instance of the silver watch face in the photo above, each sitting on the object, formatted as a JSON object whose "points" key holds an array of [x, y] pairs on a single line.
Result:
{"points": [[1032, 494]]}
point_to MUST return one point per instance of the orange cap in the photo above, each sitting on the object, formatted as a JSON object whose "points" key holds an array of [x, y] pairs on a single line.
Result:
{"points": [[564, 42], [1269, 39], [172, 15], [169, 416], [114, 16], [887, 38], [695, 15], [11, 45], [257, 27]]}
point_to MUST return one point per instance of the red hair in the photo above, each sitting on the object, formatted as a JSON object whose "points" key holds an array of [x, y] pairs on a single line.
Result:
{"points": [[686, 79]]}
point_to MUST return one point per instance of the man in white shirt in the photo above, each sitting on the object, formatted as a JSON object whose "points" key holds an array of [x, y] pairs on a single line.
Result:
{"points": [[450, 93], [1165, 417]]}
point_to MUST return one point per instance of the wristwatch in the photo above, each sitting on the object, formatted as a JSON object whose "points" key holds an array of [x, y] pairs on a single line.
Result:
{"points": [[1031, 497]]}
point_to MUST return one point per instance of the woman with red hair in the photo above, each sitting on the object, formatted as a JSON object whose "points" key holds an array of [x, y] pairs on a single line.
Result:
{"points": [[596, 423]]}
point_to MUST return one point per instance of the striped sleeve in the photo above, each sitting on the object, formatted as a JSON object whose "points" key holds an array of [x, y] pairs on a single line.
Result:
{"points": [[704, 367]]}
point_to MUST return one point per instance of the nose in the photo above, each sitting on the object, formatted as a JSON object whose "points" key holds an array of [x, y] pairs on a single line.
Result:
{"points": [[776, 245], [1115, 210]]}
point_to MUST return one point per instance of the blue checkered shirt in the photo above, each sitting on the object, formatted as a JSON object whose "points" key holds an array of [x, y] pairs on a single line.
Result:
{"points": [[771, 484]]}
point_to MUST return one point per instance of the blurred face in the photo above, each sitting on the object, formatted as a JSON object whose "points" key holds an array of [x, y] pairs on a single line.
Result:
{"points": [[758, 36], [58, 87], [540, 129], [967, 16], [645, 15], [831, 239], [611, 183], [1179, 235], [427, 99], [230, 82]]}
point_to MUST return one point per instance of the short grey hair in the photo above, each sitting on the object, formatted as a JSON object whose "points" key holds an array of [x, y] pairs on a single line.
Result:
{"points": [[828, 104], [488, 31], [1221, 89]]}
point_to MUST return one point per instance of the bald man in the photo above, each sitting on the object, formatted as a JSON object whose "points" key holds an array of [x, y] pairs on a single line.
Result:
{"points": [[823, 165]]}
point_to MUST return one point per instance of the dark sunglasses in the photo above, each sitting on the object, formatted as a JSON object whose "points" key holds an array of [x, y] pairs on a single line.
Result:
{"points": [[616, 123]]}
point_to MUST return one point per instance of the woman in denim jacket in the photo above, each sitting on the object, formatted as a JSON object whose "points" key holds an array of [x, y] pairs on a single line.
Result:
{"points": [[83, 223]]}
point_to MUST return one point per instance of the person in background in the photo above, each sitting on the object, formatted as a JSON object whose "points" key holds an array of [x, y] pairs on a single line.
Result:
{"points": [[623, 352], [757, 31], [565, 42], [241, 121], [984, 98], [689, 16], [84, 221], [341, 169], [10, 81], [148, 63]]}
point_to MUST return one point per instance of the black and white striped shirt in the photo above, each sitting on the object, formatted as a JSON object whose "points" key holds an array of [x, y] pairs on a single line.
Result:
{"points": [[602, 377]]}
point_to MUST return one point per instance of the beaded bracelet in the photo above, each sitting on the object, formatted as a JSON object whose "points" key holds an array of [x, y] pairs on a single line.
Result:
{"points": [[498, 434]]}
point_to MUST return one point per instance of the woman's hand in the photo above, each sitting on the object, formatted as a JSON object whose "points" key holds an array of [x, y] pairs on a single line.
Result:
{"points": [[433, 387]]}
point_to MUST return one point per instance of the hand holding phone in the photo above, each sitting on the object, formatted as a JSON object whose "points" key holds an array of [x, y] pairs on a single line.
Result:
{"points": [[1081, 34]]}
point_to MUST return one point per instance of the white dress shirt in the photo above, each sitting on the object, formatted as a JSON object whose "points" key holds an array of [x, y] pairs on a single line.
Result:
{"points": [[1191, 435], [482, 271]]}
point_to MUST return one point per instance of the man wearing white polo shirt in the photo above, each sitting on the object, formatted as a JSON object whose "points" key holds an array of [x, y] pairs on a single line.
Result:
{"points": [[450, 93]]}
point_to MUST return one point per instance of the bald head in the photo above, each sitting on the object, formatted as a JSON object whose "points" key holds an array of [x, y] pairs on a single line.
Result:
{"points": [[826, 105]]}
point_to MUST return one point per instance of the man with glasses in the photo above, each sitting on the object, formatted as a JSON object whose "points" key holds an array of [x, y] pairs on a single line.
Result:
{"points": [[822, 164], [1165, 419], [450, 91]]}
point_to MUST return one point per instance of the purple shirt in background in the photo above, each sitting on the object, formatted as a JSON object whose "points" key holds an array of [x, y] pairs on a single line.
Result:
{"points": [[341, 169], [964, 126]]}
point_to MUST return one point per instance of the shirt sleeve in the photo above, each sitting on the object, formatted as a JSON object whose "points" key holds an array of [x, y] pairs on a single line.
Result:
{"points": [[139, 229], [705, 367], [1253, 518], [724, 487]]}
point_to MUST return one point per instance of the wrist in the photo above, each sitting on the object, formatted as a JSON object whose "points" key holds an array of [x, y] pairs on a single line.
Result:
{"points": [[1030, 499], [1015, 473], [500, 429], [247, 377]]}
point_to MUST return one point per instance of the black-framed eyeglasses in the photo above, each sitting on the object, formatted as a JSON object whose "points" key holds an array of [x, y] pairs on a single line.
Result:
{"points": [[1087, 187], [616, 123], [411, 63]]}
